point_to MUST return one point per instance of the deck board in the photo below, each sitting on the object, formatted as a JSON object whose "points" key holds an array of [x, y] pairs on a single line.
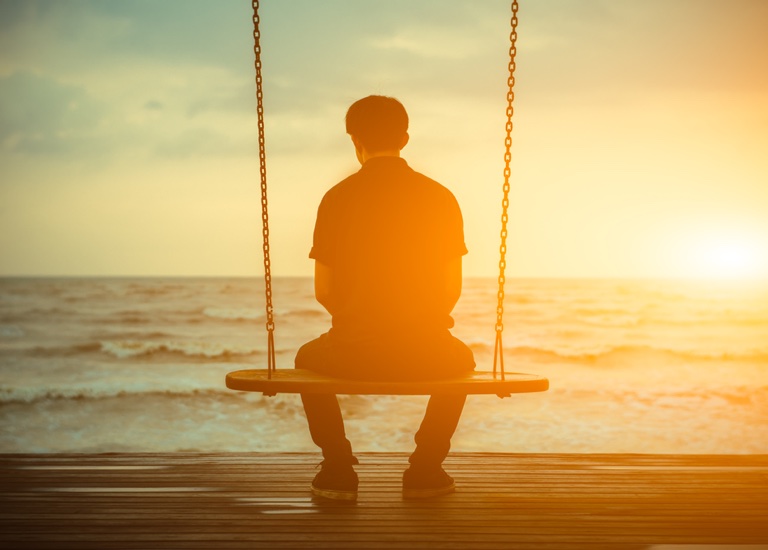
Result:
{"points": [[260, 500]]}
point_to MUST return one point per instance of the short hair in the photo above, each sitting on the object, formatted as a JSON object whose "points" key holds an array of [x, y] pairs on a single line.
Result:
{"points": [[378, 122]]}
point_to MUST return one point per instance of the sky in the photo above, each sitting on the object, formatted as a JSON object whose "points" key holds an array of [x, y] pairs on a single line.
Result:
{"points": [[128, 131]]}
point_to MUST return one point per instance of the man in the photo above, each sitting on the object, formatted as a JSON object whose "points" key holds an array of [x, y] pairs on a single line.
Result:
{"points": [[388, 245]]}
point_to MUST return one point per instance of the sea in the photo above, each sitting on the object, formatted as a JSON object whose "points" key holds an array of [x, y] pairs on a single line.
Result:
{"points": [[138, 364]]}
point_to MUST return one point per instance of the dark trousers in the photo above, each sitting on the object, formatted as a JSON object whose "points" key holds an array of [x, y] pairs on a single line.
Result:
{"points": [[433, 440], [326, 425]]}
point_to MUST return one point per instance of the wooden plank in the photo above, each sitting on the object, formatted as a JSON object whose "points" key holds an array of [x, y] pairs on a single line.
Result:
{"points": [[305, 381], [247, 500]]}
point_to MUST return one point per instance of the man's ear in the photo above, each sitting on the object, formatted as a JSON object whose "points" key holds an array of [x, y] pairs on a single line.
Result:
{"points": [[404, 142]]}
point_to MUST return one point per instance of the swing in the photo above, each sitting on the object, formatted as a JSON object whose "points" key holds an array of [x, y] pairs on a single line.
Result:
{"points": [[271, 381]]}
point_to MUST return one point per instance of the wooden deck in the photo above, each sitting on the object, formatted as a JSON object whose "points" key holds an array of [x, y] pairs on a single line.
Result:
{"points": [[223, 501]]}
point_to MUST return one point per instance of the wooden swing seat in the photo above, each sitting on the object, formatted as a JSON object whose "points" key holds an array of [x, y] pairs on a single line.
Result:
{"points": [[306, 381]]}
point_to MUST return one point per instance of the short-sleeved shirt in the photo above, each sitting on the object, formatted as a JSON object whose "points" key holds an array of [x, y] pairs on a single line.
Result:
{"points": [[388, 232]]}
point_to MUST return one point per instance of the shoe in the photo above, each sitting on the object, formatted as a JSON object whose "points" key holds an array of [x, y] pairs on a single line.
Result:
{"points": [[426, 482], [336, 482]]}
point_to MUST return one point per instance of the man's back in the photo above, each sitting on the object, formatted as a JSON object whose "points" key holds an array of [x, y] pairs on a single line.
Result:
{"points": [[389, 233]]}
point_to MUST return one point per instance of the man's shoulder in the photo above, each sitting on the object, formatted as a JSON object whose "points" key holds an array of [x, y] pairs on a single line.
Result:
{"points": [[338, 191], [345, 184], [405, 181], [431, 184]]}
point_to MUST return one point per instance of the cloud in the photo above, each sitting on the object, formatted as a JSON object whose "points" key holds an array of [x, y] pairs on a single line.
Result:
{"points": [[159, 73], [600, 50], [84, 35], [90, 79], [12, 12], [228, 96], [203, 142], [427, 41], [39, 115]]}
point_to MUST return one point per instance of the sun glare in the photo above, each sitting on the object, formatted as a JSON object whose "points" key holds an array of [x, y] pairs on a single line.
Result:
{"points": [[728, 258]]}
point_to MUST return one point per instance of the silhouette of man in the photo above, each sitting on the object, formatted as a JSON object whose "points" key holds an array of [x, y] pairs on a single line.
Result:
{"points": [[388, 246]]}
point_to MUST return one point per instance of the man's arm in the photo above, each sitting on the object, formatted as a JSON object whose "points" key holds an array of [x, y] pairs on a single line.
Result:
{"points": [[323, 286], [453, 283]]}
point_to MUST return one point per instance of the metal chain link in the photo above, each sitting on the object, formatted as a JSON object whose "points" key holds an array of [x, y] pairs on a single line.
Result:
{"points": [[264, 209], [498, 352]]}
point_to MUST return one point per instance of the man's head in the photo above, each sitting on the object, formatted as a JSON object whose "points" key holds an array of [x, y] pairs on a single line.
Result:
{"points": [[378, 124]]}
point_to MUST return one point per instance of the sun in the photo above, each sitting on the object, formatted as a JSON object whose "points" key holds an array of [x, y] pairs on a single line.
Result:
{"points": [[728, 257]]}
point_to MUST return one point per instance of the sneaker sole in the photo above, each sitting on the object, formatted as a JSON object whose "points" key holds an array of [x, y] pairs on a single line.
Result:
{"points": [[334, 495], [429, 493]]}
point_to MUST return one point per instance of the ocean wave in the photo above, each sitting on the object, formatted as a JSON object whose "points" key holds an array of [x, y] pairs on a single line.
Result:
{"points": [[167, 317], [621, 352], [45, 312], [80, 348], [741, 395], [154, 289], [629, 318], [709, 319], [38, 394], [304, 313], [132, 335], [234, 314], [131, 317], [609, 319], [251, 314], [164, 350], [123, 349]]}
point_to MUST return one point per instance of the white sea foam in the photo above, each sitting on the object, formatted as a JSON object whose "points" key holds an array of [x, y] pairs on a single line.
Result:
{"points": [[11, 331]]}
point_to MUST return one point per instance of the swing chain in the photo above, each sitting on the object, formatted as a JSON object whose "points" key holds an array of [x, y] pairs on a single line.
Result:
{"points": [[263, 172], [498, 352]]}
